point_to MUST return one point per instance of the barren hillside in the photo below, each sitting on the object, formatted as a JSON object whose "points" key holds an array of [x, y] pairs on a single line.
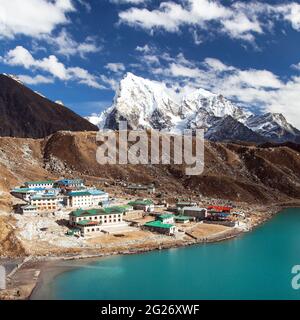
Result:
{"points": [[236, 172], [25, 113], [9, 244]]}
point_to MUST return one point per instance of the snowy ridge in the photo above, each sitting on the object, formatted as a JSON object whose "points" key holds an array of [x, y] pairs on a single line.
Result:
{"points": [[148, 104], [14, 77]]}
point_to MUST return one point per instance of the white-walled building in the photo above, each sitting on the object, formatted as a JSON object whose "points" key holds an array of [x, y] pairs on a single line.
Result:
{"points": [[45, 202], [198, 213], [146, 205], [26, 193], [91, 221], [39, 184], [87, 198], [70, 184], [49, 195], [29, 209], [99, 197], [166, 218], [158, 226]]}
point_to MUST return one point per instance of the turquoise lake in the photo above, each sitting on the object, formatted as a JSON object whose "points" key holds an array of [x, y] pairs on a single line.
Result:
{"points": [[256, 265]]}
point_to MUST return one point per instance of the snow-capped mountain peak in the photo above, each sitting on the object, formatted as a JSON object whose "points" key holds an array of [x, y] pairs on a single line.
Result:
{"points": [[273, 126], [213, 104], [143, 103], [148, 104]]}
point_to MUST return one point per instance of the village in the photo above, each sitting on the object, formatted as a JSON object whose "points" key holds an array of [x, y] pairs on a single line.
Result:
{"points": [[72, 210], [74, 219]]}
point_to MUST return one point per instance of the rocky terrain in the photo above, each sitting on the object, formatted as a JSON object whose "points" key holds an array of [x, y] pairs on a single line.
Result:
{"points": [[250, 173], [24, 113], [10, 245]]}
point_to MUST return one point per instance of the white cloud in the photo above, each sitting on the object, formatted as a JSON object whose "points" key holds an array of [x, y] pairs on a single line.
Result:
{"points": [[111, 82], [22, 57], [240, 26], [296, 66], [129, 1], [179, 70], [86, 5], [286, 101], [291, 13], [169, 16], [32, 17], [146, 48], [239, 20], [255, 79], [198, 39], [67, 46], [205, 10], [216, 65], [38, 79], [115, 67]]}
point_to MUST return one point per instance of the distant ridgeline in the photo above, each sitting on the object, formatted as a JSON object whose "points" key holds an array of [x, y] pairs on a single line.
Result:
{"points": [[26, 114]]}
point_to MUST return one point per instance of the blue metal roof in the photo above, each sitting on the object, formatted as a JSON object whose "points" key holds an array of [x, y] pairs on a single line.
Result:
{"points": [[95, 192], [79, 193], [25, 190], [69, 181], [43, 196]]}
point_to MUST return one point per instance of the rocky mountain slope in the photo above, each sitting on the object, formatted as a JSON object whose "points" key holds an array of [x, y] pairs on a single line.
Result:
{"points": [[146, 104], [274, 127], [228, 128], [24, 113], [265, 174]]}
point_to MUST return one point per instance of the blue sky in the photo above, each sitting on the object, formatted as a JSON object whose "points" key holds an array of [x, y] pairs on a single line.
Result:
{"points": [[77, 51]]}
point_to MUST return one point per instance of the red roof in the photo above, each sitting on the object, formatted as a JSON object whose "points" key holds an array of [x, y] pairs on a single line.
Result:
{"points": [[220, 208], [92, 223]]}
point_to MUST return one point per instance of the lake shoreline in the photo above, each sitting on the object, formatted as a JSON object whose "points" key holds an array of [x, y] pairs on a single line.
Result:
{"points": [[56, 265]]}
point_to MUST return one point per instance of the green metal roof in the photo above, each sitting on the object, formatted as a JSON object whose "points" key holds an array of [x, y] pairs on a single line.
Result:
{"points": [[125, 206], [140, 202], [158, 224], [183, 218], [39, 182], [94, 212], [115, 209], [87, 213]]}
